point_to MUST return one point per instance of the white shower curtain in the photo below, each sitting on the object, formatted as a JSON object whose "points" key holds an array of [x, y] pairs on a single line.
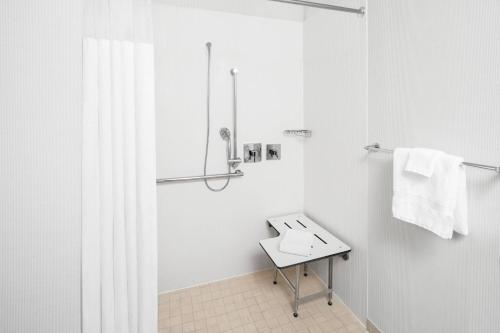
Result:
{"points": [[119, 254]]}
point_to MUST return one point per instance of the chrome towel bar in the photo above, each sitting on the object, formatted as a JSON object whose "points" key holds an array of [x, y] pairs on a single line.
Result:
{"points": [[237, 173], [375, 147]]}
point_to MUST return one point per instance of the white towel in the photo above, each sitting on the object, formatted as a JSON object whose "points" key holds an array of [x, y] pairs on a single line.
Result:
{"points": [[422, 161], [437, 203], [297, 242]]}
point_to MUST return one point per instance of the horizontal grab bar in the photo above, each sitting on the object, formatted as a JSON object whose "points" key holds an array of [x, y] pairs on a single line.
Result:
{"points": [[237, 173]]}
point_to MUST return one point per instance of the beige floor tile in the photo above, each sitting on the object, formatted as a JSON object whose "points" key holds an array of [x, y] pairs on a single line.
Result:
{"points": [[188, 327], [252, 304]]}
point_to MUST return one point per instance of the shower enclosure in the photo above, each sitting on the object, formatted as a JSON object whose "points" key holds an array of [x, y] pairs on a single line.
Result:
{"points": [[255, 93]]}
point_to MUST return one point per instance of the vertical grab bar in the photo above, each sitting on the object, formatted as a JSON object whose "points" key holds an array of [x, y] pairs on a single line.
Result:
{"points": [[234, 73]]}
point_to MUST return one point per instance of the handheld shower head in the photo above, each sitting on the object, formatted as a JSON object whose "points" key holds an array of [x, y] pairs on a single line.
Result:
{"points": [[209, 45], [225, 134], [234, 71]]}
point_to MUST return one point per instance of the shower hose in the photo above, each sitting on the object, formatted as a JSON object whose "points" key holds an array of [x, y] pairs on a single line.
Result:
{"points": [[209, 45]]}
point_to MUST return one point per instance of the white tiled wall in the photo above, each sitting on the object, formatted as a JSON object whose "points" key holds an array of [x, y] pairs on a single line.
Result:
{"points": [[205, 236]]}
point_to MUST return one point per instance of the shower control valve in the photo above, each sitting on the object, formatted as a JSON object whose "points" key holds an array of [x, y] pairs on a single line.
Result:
{"points": [[252, 152], [273, 152]]}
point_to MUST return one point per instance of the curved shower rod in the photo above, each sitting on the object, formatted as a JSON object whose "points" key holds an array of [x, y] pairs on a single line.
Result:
{"points": [[360, 10]]}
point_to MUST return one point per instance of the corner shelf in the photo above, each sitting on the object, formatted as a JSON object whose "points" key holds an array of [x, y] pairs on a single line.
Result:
{"points": [[298, 132]]}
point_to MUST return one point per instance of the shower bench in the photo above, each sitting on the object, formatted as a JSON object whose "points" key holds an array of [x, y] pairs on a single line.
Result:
{"points": [[325, 246]]}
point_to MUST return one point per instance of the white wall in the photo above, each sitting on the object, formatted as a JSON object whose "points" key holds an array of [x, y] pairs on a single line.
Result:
{"points": [[434, 81], [335, 170], [204, 236], [40, 87]]}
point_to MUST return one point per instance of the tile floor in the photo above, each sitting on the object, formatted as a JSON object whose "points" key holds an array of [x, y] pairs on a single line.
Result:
{"points": [[252, 303]]}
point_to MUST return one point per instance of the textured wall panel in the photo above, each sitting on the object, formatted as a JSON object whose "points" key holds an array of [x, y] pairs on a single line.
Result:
{"points": [[434, 81], [335, 170], [40, 75]]}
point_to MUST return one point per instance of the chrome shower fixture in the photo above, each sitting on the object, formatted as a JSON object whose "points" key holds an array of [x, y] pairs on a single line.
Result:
{"points": [[235, 160], [231, 145], [225, 134]]}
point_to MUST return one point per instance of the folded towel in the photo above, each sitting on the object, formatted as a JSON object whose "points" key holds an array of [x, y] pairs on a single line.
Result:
{"points": [[438, 203], [297, 242], [422, 161]]}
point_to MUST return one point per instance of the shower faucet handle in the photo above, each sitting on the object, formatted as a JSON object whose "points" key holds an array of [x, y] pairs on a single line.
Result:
{"points": [[252, 152], [273, 151]]}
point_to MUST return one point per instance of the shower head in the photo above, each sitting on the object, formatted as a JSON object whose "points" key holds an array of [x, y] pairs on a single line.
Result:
{"points": [[234, 71], [209, 45], [225, 133]]}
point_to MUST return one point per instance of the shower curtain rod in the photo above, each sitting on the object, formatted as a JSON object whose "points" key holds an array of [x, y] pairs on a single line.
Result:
{"points": [[237, 173], [360, 10], [376, 148]]}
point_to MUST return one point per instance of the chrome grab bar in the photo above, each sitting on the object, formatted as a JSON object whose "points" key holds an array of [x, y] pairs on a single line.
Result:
{"points": [[237, 173]]}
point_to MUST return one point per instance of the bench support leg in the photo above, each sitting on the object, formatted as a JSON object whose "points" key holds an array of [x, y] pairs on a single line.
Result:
{"points": [[275, 275], [330, 279], [296, 303], [305, 270]]}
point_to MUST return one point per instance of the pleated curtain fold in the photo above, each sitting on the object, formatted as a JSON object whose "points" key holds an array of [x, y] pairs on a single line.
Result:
{"points": [[119, 253]]}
